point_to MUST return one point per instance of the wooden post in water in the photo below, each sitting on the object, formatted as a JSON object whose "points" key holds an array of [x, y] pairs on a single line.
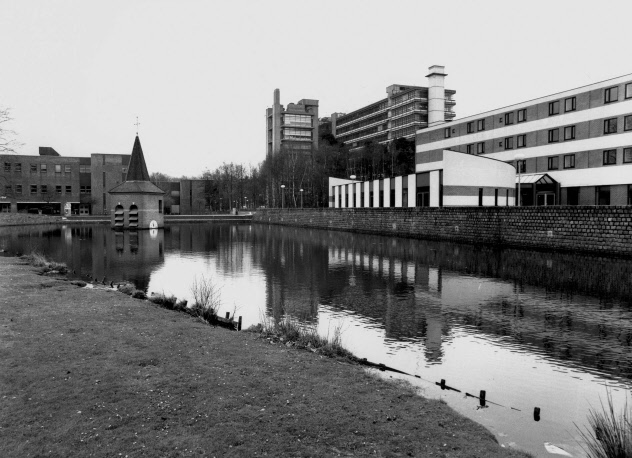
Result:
{"points": [[227, 315], [481, 398], [536, 414], [442, 384], [239, 324]]}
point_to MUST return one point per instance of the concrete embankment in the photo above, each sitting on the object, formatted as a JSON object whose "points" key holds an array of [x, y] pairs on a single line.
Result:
{"points": [[93, 372], [598, 230], [25, 219]]}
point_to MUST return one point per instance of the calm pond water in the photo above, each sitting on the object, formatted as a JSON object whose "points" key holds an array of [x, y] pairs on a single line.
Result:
{"points": [[532, 329]]}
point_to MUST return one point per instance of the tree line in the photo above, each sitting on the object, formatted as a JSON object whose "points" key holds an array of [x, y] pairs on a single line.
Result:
{"points": [[296, 177]]}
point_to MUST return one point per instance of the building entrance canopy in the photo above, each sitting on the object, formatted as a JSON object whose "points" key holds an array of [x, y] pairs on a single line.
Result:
{"points": [[537, 178]]}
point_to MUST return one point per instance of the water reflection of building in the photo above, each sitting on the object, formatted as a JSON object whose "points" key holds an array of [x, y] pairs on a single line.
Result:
{"points": [[294, 270], [98, 252], [427, 291], [568, 307], [130, 255]]}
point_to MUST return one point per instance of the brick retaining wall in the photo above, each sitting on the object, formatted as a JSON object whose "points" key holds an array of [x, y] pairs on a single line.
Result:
{"points": [[605, 230]]}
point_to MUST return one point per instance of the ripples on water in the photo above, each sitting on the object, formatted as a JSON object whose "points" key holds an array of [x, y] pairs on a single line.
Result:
{"points": [[531, 328]]}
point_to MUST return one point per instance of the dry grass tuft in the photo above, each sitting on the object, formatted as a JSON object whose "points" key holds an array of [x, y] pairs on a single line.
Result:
{"points": [[610, 433], [168, 302], [291, 332], [207, 299], [39, 260]]}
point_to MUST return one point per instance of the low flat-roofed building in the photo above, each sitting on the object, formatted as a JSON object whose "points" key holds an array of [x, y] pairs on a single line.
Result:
{"points": [[453, 179]]}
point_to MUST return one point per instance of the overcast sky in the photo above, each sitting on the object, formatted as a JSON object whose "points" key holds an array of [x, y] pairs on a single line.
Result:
{"points": [[200, 74]]}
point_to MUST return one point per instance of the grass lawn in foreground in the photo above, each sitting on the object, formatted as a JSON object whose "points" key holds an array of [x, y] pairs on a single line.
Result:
{"points": [[92, 372]]}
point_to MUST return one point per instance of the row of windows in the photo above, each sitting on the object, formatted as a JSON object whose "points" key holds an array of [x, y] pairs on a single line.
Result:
{"points": [[377, 139], [521, 142], [363, 133], [611, 94], [415, 106], [363, 112], [409, 95], [609, 158], [296, 134], [570, 104], [480, 125], [415, 117], [363, 123], [297, 120], [554, 134], [478, 148], [404, 132], [44, 189], [43, 168], [609, 127]]}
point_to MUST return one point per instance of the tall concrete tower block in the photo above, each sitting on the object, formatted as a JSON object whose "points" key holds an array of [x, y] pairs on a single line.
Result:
{"points": [[436, 95], [276, 122]]}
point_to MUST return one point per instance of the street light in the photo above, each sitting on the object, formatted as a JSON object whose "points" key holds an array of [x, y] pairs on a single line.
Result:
{"points": [[301, 198], [282, 196], [519, 157]]}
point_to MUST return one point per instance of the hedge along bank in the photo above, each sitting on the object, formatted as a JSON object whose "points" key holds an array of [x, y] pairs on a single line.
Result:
{"points": [[595, 229]]}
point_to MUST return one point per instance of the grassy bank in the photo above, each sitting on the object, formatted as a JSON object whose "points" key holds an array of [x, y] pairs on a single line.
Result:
{"points": [[95, 372]]}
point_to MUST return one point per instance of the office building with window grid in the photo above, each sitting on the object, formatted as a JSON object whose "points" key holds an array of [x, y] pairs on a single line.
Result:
{"points": [[50, 183], [294, 128], [404, 111], [569, 148]]}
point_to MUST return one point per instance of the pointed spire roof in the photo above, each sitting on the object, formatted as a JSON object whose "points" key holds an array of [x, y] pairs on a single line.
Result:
{"points": [[137, 179], [137, 170]]}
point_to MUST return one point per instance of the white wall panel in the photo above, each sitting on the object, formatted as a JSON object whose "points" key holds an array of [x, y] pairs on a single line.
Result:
{"points": [[398, 192]]}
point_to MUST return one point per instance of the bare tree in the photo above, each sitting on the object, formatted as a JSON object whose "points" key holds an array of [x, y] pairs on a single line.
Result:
{"points": [[7, 143]]}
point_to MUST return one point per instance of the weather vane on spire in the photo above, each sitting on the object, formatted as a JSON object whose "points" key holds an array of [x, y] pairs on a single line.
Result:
{"points": [[137, 124]]}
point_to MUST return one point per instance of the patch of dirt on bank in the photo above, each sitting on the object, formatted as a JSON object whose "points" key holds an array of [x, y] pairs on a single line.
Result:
{"points": [[92, 372]]}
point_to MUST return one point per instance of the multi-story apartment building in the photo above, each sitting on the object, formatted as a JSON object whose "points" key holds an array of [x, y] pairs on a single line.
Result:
{"points": [[51, 183], [404, 111], [569, 148], [294, 127]]}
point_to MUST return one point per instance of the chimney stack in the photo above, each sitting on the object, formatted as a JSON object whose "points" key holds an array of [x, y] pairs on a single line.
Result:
{"points": [[436, 95]]}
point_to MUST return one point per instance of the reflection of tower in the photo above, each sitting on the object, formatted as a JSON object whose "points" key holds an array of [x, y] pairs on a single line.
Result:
{"points": [[427, 290], [126, 256]]}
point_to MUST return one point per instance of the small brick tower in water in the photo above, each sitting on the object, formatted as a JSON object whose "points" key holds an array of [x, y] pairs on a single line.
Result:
{"points": [[138, 203]]}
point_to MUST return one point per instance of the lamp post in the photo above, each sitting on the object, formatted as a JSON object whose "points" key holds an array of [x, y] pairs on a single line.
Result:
{"points": [[301, 198], [519, 157], [282, 196]]}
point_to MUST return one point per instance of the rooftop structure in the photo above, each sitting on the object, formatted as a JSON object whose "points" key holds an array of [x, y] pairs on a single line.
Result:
{"points": [[137, 202], [294, 128], [405, 110]]}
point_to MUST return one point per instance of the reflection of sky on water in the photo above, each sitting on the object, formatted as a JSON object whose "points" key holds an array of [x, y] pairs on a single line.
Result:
{"points": [[242, 294], [530, 328]]}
